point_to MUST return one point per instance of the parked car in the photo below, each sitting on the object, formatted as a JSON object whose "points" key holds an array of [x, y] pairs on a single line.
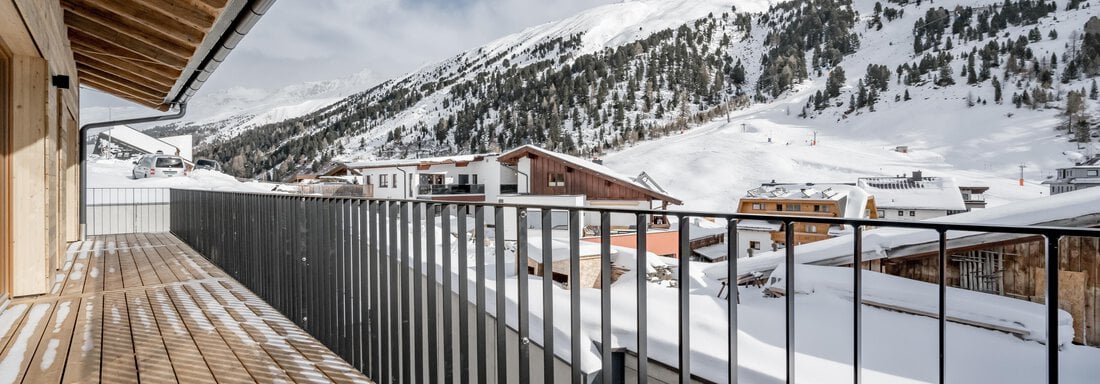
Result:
{"points": [[208, 164], [159, 166]]}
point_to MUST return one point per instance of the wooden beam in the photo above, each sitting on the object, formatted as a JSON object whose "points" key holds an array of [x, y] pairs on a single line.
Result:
{"points": [[183, 12], [118, 55], [109, 89], [120, 85], [105, 32], [125, 68], [142, 89], [214, 6], [149, 17], [129, 27]]}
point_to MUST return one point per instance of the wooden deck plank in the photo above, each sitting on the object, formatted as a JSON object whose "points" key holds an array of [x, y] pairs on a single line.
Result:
{"points": [[153, 363], [82, 365], [256, 360], [225, 366], [48, 363], [21, 348], [130, 276], [9, 322], [187, 361], [94, 281], [112, 272], [173, 265], [74, 283], [153, 254], [119, 365], [145, 269]]}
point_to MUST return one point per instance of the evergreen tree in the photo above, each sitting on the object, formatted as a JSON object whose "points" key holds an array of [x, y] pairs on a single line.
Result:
{"points": [[906, 97], [834, 82], [1094, 92], [996, 91]]}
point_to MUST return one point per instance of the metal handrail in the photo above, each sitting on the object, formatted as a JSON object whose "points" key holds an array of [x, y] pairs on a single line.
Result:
{"points": [[250, 233]]}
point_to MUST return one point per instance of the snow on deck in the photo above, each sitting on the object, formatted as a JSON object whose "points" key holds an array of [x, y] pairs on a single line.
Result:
{"points": [[160, 311]]}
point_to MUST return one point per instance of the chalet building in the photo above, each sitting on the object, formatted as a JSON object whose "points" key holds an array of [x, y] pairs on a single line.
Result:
{"points": [[153, 53], [449, 178], [1080, 176], [123, 142], [824, 200], [914, 197]]}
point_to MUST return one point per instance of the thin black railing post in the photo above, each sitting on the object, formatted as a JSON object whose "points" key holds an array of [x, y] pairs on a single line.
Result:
{"points": [[433, 313], [502, 309], [789, 297], [547, 298], [448, 321], [463, 294], [521, 291], [732, 298], [605, 298], [942, 312], [418, 292], [479, 292], [857, 304], [1053, 264], [404, 267], [641, 222], [575, 295], [683, 282]]}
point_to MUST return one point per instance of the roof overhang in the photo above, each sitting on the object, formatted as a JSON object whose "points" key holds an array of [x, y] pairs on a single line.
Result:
{"points": [[155, 53], [512, 157]]}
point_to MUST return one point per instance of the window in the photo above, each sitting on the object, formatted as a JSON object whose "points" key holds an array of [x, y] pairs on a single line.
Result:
{"points": [[463, 179], [758, 206], [794, 207], [754, 245], [473, 179], [881, 213], [1093, 172], [822, 208], [395, 180], [383, 181], [811, 228], [556, 180], [901, 213], [779, 207], [169, 162], [912, 213], [368, 180]]}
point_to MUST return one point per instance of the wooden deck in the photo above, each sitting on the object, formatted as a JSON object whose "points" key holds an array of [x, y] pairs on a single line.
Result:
{"points": [[147, 308]]}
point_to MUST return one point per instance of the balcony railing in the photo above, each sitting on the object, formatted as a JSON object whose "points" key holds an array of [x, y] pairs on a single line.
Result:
{"points": [[127, 210], [390, 286], [450, 189]]}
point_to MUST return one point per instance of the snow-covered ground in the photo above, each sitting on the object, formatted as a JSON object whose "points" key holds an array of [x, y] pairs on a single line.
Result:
{"points": [[111, 173], [897, 347]]}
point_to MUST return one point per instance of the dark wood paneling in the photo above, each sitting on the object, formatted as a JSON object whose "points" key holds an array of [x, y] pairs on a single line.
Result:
{"points": [[578, 181]]}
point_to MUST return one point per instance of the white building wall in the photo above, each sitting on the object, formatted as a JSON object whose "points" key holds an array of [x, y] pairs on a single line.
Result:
{"points": [[746, 236], [534, 221], [393, 190], [524, 166], [911, 214], [617, 219]]}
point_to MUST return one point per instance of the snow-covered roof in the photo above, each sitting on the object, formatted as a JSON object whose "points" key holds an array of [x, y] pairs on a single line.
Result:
{"points": [[852, 199], [137, 139], [589, 165], [417, 162], [1062, 209], [806, 191], [914, 192], [1085, 180], [712, 252], [758, 225]]}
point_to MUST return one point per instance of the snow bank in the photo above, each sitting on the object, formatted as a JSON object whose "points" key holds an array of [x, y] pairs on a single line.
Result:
{"points": [[111, 173], [1023, 318]]}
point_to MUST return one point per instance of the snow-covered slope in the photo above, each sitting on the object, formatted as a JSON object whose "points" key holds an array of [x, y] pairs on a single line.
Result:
{"points": [[239, 108]]}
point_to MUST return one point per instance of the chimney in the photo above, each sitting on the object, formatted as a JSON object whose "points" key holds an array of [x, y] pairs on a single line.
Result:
{"points": [[917, 176]]}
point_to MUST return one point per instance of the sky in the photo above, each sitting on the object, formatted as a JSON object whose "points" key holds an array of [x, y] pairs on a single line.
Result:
{"points": [[313, 40]]}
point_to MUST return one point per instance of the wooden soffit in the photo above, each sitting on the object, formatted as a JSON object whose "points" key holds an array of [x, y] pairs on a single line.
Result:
{"points": [[141, 50]]}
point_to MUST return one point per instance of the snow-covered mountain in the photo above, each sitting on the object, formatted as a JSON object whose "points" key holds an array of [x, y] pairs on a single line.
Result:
{"points": [[973, 88], [233, 110]]}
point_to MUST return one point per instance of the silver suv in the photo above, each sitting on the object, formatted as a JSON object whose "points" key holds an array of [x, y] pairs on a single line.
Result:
{"points": [[159, 166]]}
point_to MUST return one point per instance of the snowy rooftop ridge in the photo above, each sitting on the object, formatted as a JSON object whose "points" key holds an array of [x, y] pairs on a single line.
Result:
{"points": [[590, 165], [915, 192]]}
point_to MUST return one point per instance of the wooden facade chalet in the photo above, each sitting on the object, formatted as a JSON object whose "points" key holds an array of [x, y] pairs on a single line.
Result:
{"points": [[794, 203], [553, 173]]}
